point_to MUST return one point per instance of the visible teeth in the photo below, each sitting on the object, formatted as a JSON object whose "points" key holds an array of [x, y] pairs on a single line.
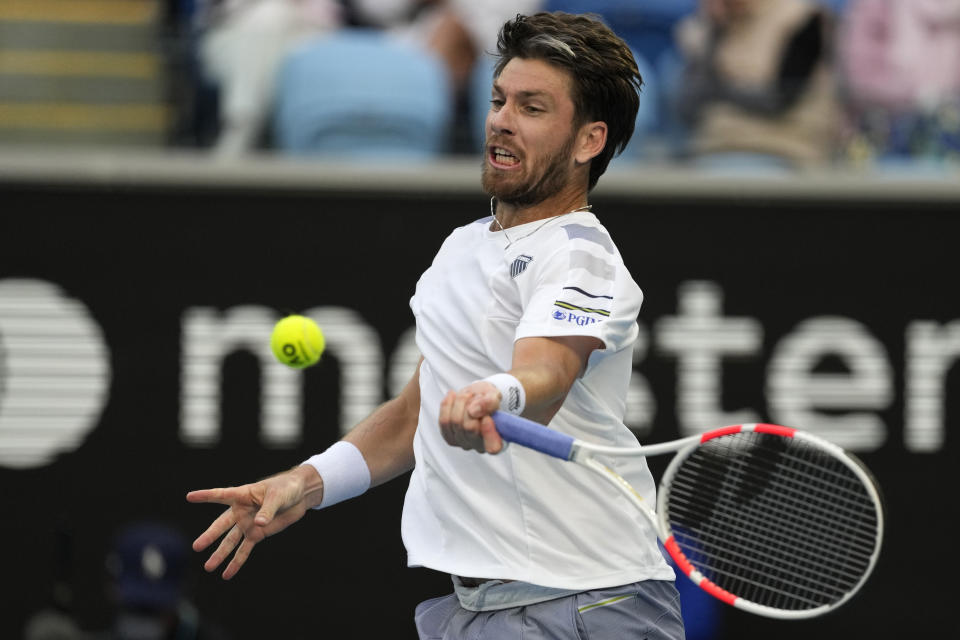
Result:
{"points": [[504, 157]]}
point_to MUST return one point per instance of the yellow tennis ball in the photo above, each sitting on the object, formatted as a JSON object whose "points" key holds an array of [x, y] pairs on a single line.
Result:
{"points": [[297, 341]]}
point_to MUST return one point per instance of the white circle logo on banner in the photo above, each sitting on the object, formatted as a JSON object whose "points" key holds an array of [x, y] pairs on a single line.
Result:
{"points": [[54, 372]]}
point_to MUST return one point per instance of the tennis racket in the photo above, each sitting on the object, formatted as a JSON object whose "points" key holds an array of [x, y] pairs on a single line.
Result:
{"points": [[768, 519]]}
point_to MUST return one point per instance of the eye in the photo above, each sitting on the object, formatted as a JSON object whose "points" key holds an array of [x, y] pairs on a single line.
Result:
{"points": [[532, 109], [496, 103]]}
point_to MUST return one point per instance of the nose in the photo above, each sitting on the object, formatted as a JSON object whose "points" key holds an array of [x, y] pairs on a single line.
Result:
{"points": [[499, 121]]}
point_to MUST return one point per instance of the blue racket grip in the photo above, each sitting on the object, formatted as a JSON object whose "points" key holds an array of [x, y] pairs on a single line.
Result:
{"points": [[533, 435]]}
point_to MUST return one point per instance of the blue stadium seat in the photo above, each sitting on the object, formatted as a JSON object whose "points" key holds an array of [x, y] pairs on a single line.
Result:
{"points": [[646, 25], [361, 93], [648, 115]]}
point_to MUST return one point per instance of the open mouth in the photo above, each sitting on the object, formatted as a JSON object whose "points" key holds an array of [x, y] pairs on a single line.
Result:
{"points": [[503, 159]]}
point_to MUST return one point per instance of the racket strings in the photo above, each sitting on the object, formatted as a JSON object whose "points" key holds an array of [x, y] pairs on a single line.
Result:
{"points": [[770, 550], [734, 575], [757, 559], [763, 553], [740, 558], [850, 518], [773, 520], [736, 556]]}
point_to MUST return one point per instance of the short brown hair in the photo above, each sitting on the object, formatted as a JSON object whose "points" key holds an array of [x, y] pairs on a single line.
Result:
{"points": [[606, 80]]}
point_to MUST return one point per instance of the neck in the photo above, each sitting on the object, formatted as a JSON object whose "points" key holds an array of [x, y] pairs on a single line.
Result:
{"points": [[510, 215]]}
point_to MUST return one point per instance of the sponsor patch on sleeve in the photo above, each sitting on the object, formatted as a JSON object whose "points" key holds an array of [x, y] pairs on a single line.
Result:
{"points": [[578, 315]]}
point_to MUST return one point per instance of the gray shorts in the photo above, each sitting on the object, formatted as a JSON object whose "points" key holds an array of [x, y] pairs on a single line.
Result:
{"points": [[648, 610]]}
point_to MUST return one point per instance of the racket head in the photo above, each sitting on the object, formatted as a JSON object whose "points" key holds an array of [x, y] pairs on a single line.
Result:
{"points": [[771, 520]]}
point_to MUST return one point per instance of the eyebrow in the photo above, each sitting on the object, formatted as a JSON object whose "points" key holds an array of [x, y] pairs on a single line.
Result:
{"points": [[526, 94]]}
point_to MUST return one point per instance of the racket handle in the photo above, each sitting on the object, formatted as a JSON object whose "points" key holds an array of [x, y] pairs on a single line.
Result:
{"points": [[533, 435]]}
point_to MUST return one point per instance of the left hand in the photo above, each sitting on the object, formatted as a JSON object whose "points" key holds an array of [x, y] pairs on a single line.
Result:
{"points": [[465, 418], [254, 512]]}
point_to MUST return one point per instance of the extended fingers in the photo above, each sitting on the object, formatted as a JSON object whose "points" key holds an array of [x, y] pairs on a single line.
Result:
{"points": [[239, 558], [220, 496], [227, 545], [219, 526]]}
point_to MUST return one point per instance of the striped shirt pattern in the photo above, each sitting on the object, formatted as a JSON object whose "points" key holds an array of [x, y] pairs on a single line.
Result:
{"points": [[593, 269]]}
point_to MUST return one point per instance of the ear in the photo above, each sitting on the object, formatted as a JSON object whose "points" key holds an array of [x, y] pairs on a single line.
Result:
{"points": [[590, 141]]}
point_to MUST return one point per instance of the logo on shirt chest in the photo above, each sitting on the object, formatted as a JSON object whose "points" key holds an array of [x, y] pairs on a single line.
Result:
{"points": [[519, 265]]}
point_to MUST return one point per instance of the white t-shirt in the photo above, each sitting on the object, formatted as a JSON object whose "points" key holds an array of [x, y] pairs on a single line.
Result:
{"points": [[522, 515]]}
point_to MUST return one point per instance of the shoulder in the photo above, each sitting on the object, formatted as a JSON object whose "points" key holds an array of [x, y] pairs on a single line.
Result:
{"points": [[587, 232], [583, 232], [581, 248], [468, 232], [477, 226]]}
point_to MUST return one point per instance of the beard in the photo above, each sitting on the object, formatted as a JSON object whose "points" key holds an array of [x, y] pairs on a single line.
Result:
{"points": [[554, 177]]}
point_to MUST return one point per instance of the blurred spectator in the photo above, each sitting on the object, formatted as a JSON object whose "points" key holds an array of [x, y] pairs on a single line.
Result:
{"points": [[758, 87], [901, 70], [241, 45], [462, 33], [458, 31], [147, 565], [370, 97], [648, 27]]}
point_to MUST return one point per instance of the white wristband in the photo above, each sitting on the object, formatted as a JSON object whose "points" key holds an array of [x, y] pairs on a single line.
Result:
{"points": [[512, 396], [344, 471]]}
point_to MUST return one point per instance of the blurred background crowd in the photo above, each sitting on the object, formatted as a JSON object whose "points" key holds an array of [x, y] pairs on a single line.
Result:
{"points": [[145, 581], [757, 84]]}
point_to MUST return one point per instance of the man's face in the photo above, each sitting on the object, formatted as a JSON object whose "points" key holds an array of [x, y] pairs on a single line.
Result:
{"points": [[530, 133]]}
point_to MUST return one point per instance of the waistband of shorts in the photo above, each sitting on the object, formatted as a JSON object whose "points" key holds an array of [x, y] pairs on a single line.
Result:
{"points": [[482, 594], [473, 583]]}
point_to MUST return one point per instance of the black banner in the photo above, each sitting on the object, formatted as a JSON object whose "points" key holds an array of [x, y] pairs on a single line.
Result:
{"points": [[134, 366]]}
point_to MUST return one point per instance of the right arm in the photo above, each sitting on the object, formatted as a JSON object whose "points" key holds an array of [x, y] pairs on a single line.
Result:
{"points": [[259, 510]]}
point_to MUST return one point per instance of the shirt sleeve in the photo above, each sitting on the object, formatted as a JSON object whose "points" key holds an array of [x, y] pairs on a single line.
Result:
{"points": [[581, 288]]}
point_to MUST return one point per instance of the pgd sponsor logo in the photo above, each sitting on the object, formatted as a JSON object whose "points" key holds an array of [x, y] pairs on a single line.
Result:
{"points": [[580, 320]]}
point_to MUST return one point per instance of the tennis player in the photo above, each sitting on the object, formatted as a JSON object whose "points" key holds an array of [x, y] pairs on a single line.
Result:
{"points": [[530, 311]]}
